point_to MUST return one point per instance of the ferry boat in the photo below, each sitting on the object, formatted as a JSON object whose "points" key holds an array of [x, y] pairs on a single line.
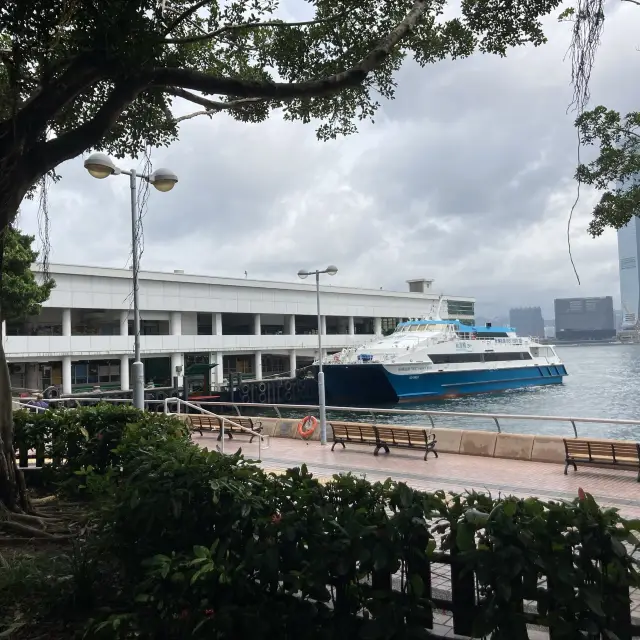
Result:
{"points": [[435, 359]]}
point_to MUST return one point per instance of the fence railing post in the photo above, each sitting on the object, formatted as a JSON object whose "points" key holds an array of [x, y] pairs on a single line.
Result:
{"points": [[463, 595], [617, 606]]}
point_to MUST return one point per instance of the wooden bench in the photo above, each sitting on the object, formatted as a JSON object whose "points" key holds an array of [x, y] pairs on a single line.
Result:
{"points": [[603, 454], [198, 422], [383, 437]]}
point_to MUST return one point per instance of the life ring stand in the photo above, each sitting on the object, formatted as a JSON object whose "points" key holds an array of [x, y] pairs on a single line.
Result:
{"points": [[307, 433]]}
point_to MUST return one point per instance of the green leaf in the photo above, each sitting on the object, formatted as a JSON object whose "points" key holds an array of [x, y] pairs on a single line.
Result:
{"points": [[201, 552], [476, 517], [417, 585], [510, 508], [431, 547], [618, 548], [593, 601], [567, 13], [465, 537]]}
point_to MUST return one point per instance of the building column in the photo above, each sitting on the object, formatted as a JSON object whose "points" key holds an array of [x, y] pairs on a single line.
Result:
{"points": [[124, 323], [32, 378], [175, 323], [66, 374], [258, 365], [377, 326], [66, 324], [292, 325], [216, 323], [177, 361], [352, 326], [124, 373], [293, 362], [218, 372], [257, 325]]}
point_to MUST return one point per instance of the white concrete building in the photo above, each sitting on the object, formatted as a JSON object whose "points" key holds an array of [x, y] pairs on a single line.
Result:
{"points": [[83, 337]]}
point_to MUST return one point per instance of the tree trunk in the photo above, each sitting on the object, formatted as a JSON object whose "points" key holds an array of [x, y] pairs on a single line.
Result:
{"points": [[13, 494]]}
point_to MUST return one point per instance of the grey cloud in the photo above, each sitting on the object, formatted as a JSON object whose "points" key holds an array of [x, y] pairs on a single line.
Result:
{"points": [[466, 178]]}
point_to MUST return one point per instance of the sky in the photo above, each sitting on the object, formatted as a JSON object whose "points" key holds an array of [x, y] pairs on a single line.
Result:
{"points": [[465, 178]]}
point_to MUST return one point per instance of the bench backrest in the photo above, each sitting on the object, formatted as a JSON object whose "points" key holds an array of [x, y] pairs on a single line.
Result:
{"points": [[402, 435], [203, 419], [610, 450], [354, 431]]}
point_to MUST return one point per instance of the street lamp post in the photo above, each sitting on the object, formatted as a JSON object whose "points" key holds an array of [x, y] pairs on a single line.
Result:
{"points": [[101, 166], [330, 270]]}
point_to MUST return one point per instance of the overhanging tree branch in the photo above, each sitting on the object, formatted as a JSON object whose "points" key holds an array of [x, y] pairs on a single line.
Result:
{"points": [[352, 77], [81, 73], [248, 25], [47, 155], [185, 15], [211, 106]]}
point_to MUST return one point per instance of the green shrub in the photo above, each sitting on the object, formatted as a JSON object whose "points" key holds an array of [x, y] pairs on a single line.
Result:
{"points": [[216, 548], [85, 440]]}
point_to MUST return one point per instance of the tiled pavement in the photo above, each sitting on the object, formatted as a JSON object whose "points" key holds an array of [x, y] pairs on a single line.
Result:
{"points": [[453, 473]]}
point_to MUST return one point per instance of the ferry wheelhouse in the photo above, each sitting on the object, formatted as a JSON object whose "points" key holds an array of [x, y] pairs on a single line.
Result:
{"points": [[434, 359]]}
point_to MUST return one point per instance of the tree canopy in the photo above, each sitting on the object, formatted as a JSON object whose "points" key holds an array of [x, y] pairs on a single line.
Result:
{"points": [[77, 74], [21, 295], [616, 169]]}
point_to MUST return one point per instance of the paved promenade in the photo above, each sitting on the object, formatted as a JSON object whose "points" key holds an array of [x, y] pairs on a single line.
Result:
{"points": [[450, 472]]}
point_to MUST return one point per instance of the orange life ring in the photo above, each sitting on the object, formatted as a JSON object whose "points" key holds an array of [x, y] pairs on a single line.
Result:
{"points": [[307, 433]]}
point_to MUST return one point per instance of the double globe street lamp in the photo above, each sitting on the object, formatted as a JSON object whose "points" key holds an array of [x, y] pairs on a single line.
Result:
{"points": [[331, 270], [100, 166]]}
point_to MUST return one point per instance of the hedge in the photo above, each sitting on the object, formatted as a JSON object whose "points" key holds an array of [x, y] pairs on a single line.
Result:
{"points": [[213, 547], [65, 441]]}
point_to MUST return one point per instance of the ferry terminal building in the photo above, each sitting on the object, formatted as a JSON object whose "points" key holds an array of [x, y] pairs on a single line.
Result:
{"points": [[83, 337]]}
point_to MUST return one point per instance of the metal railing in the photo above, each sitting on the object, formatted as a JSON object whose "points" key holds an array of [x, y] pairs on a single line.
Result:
{"points": [[180, 402], [374, 413], [263, 440], [26, 405]]}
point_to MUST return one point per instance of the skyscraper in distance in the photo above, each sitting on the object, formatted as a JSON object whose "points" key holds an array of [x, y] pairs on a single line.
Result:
{"points": [[629, 255], [527, 321]]}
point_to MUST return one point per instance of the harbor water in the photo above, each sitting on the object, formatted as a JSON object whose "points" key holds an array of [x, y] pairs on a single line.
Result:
{"points": [[603, 382]]}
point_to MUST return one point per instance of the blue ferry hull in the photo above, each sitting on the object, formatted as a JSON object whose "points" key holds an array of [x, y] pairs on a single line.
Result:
{"points": [[373, 385]]}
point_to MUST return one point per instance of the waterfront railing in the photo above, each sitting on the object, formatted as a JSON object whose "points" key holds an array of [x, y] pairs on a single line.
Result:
{"points": [[435, 419]]}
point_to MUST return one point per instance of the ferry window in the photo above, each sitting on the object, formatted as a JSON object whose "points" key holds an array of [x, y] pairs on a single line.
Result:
{"points": [[502, 357], [436, 327], [453, 358], [414, 327]]}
